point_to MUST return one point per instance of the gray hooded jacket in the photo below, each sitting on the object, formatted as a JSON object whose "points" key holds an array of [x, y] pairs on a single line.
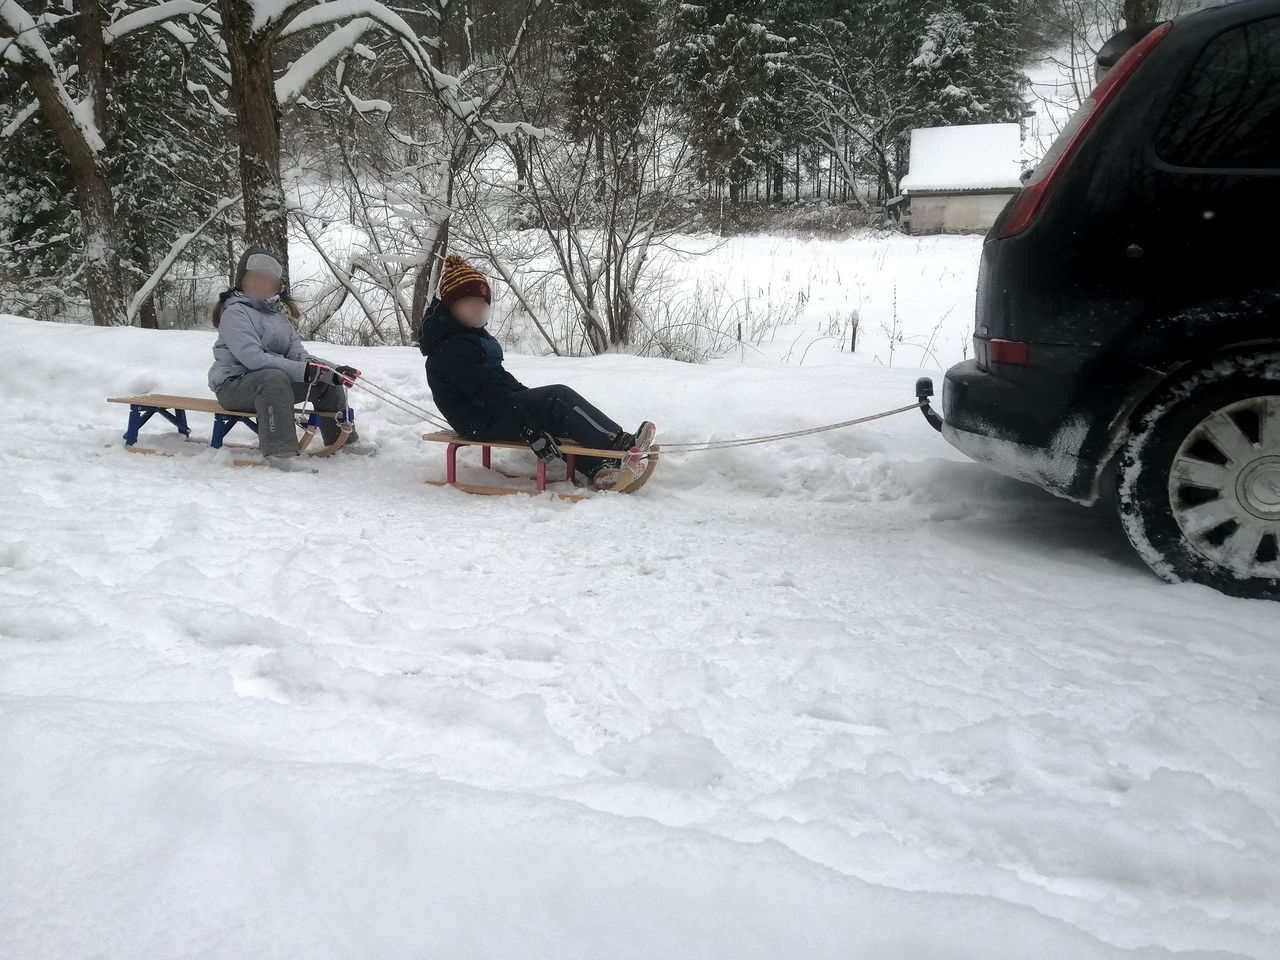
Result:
{"points": [[255, 334]]}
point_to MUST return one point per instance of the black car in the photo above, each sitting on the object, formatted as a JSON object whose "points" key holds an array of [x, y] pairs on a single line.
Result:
{"points": [[1128, 306]]}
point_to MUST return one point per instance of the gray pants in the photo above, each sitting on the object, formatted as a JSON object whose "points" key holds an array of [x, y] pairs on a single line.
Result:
{"points": [[272, 395]]}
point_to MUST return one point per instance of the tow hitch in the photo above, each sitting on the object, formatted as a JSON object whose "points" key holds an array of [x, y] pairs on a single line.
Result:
{"points": [[924, 393]]}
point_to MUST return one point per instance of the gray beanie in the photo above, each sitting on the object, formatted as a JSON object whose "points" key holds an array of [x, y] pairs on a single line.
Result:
{"points": [[259, 260]]}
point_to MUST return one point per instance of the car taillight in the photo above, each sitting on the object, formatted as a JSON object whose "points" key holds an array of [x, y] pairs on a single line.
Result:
{"points": [[1027, 204], [1015, 353]]}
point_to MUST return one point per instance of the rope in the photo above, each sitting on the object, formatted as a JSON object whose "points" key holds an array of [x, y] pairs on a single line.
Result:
{"points": [[306, 401], [391, 398], [703, 446], [707, 445], [401, 403]]}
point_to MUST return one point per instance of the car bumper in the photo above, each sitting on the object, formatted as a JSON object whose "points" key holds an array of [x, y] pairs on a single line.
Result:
{"points": [[1002, 424]]}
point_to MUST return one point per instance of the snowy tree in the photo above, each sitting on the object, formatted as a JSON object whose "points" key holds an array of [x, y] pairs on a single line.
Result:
{"points": [[609, 64], [39, 225], [171, 143], [724, 61], [968, 68], [874, 71], [78, 123], [129, 111]]}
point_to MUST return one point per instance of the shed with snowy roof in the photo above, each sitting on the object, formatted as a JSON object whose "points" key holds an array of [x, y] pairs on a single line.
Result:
{"points": [[959, 178]]}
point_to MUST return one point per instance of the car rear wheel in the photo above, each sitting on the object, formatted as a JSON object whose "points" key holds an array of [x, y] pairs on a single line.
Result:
{"points": [[1200, 479]]}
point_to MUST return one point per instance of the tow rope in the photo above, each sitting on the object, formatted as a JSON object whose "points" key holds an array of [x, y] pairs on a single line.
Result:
{"points": [[706, 445], [408, 406]]}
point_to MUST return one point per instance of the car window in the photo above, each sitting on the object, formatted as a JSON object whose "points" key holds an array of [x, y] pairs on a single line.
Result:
{"points": [[1227, 114]]}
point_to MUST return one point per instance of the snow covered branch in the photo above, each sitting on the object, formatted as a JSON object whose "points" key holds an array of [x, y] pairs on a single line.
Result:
{"points": [[29, 54], [175, 251], [305, 68], [155, 16]]}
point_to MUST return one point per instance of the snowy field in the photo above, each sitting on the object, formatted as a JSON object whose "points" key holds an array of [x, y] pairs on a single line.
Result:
{"points": [[843, 697]]}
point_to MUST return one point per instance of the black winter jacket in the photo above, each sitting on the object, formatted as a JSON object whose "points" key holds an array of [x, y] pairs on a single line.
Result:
{"points": [[466, 376]]}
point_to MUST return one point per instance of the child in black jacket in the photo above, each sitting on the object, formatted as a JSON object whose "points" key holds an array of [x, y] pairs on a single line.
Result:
{"points": [[482, 401]]}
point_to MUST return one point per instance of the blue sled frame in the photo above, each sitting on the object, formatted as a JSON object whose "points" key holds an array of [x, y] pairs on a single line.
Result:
{"points": [[222, 422]]}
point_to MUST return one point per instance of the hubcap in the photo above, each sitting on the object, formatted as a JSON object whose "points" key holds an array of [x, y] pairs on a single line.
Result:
{"points": [[1224, 487]]}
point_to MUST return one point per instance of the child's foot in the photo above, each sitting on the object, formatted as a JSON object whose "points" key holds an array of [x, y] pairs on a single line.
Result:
{"points": [[606, 477], [642, 438], [289, 464], [360, 448]]}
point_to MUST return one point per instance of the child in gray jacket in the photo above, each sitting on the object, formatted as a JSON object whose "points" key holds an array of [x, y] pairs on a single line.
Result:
{"points": [[260, 364]]}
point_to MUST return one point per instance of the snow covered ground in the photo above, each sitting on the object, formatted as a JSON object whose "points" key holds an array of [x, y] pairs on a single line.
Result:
{"points": [[846, 696], [796, 298]]}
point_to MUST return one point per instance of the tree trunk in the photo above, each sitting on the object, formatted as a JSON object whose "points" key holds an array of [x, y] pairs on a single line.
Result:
{"points": [[141, 257], [1140, 11], [521, 162], [779, 178], [257, 112], [600, 173], [93, 60], [93, 194]]}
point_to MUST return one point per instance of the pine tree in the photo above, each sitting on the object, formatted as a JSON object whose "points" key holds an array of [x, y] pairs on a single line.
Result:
{"points": [[609, 64], [39, 224], [968, 66], [725, 58]]}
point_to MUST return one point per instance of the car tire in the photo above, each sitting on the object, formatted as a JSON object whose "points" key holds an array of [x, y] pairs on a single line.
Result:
{"points": [[1199, 479]]}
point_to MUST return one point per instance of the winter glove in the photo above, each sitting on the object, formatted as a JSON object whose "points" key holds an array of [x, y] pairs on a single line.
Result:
{"points": [[317, 372], [542, 444], [346, 376]]}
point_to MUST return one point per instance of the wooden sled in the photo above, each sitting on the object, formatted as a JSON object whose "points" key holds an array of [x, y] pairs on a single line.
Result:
{"points": [[638, 466], [175, 409]]}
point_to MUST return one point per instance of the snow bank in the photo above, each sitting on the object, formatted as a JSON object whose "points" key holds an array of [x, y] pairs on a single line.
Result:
{"points": [[843, 696], [982, 156]]}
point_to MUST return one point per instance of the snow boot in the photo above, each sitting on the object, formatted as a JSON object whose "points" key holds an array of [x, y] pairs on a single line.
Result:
{"points": [[642, 438], [607, 475], [289, 464], [359, 448], [644, 435], [612, 472]]}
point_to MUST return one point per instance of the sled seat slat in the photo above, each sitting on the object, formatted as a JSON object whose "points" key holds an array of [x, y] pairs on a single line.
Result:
{"points": [[164, 401], [175, 409], [566, 446]]}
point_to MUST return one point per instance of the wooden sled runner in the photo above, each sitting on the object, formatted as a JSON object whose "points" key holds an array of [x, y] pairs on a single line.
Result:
{"points": [[638, 466], [175, 409]]}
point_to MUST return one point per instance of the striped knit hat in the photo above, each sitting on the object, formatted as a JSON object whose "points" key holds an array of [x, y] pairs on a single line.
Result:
{"points": [[460, 279]]}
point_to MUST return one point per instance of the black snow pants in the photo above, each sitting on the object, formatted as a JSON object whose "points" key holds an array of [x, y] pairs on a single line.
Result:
{"points": [[562, 413]]}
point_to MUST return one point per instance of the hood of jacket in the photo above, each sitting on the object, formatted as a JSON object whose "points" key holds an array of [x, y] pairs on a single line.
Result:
{"points": [[439, 324]]}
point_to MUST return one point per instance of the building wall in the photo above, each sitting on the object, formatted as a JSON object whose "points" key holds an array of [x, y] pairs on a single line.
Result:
{"points": [[956, 212]]}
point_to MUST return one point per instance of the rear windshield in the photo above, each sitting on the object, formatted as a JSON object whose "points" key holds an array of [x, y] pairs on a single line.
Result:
{"points": [[1227, 113]]}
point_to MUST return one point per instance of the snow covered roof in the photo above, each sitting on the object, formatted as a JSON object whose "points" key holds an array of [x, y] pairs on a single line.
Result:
{"points": [[984, 156]]}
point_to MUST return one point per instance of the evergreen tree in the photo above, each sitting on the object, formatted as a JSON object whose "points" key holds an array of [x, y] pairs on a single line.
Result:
{"points": [[726, 58], [967, 69], [609, 64], [39, 224]]}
